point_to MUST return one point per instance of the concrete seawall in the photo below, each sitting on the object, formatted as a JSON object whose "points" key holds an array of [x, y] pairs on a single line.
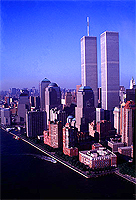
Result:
{"points": [[49, 154], [131, 179]]}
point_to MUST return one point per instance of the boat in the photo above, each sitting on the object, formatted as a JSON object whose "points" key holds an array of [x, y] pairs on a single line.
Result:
{"points": [[48, 159], [16, 137], [8, 129]]}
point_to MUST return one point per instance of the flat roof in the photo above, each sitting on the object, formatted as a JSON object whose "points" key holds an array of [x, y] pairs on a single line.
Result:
{"points": [[125, 147]]}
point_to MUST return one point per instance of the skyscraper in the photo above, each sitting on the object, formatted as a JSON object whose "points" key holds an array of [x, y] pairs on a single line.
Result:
{"points": [[89, 64], [52, 98], [85, 110], [44, 83], [110, 69], [127, 122], [35, 123], [23, 106], [132, 83]]}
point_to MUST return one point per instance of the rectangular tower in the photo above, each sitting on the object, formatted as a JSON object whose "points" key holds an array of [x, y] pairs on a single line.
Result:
{"points": [[35, 123], [89, 64], [110, 69]]}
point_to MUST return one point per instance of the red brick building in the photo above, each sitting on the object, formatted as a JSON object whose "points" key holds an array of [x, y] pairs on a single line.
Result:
{"points": [[103, 128], [98, 158], [54, 136], [69, 140], [96, 146]]}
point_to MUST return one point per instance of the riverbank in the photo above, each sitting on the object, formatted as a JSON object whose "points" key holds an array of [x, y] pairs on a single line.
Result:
{"points": [[127, 177], [50, 154], [83, 173]]}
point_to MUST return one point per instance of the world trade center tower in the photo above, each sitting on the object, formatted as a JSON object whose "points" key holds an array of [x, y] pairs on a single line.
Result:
{"points": [[89, 64], [110, 69]]}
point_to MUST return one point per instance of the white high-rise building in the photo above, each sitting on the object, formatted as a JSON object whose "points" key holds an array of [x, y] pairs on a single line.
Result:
{"points": [[89, 64], [99, 114], [110, 69], [132, 83], [116, 113]]}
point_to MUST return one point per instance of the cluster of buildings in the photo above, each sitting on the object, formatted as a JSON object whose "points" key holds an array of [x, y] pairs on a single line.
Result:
{"points": [[80, 121]]}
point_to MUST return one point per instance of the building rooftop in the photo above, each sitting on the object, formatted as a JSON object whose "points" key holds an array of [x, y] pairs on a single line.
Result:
{"points": [[115, 142], [70, 117], [85, 88], [129, 147], [45, 80], [53, 85], [98, 153], [97, 145]]}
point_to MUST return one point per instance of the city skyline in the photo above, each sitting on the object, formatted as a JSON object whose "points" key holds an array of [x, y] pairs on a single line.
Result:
{"points": [[42, 39]]}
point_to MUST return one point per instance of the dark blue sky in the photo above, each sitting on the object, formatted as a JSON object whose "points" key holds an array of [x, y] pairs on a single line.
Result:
{"points": [[42, 39]]}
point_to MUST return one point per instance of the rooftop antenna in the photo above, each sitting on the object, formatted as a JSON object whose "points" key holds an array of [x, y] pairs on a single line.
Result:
{"points": [[88, 26]]}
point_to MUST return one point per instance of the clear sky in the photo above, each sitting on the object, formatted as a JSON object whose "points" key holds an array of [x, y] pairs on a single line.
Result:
{"points": [[42, 39]]}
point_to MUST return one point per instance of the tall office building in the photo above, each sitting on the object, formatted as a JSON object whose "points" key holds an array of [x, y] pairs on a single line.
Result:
{"points": [[116, 113], [85, 110], [44, 83], [110, 70], [99, 114], [35, 123], [23, 106], [127, 122], [52, 98], [132, 83], [70, 138], [89, 64], [68, 98], [5, 115]]}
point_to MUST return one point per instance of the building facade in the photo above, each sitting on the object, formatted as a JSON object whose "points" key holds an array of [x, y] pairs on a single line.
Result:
{"points": [[110, 69], [126, 151], [85, 110], [23, 107], [127, 122], [69, 138], [116, 113], [89, 64], [52, 98], [43, 85], [35, 123], [114, 145], [54, 136], [103, 127], [132, 83], [99, 114], [5, 116], [98, 158]]}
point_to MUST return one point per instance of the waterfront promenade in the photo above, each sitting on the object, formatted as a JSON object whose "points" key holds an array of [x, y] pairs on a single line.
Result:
{"points": [[50, 154], [83, 173]]}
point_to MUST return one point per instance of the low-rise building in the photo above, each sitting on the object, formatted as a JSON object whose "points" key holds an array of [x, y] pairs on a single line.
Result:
{"points": [[126, 151], [98, 158], [114, 145], [96, 146]]}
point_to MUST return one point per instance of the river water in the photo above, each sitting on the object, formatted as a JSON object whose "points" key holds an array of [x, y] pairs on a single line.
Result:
{"points": [[25, 176]]}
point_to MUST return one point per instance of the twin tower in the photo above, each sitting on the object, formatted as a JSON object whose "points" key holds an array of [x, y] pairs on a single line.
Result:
{"points": [[109, 67]]}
